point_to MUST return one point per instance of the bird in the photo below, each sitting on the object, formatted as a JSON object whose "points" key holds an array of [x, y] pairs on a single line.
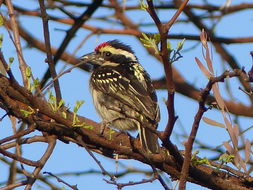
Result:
{"points": [[122, 92]]}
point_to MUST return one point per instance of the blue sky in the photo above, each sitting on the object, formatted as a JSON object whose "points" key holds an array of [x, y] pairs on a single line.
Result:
{"points": [[69, 157]]}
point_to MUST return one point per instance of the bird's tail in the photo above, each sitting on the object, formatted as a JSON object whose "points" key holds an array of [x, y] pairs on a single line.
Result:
{"points": [[149, 140]]}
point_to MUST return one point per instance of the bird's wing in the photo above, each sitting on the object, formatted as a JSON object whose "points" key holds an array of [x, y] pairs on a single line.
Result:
{"points": [[139, 95]]}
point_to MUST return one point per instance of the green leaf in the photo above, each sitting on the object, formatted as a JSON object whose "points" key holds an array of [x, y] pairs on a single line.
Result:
{"points": [[53, 102], [35, 85], [226, 158], [111, 131], [169, 47], [27, 113], [64, 115], [1, 20], [151, 41], [180, 45], [28, 72], [78, 105], [157, 37], [143, 5]]}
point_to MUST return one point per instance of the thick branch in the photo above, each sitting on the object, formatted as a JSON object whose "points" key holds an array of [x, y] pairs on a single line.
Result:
{"points": [[14, 98]]}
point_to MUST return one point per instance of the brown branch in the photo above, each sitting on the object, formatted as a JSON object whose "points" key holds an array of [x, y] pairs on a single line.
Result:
{"points": [[176, 15], [17, 135], [219, 48], [181, 85], [203, 96], [104, 172], [22, 64], [24, 141], [49, 60], [14, 98], [74, 187], [22, 183], [32, 41], [71, 33], [192, 92], [18, 158], [137, 33], [121, 185], [13, 186], [206, 7], [51, 145], [163, 30]]}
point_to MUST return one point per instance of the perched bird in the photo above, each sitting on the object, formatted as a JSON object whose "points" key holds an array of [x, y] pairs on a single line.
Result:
{"points": [[122, 91]]}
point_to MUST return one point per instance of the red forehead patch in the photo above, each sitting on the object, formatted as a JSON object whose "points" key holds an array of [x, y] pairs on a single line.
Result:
{"points": [[101, 45]]}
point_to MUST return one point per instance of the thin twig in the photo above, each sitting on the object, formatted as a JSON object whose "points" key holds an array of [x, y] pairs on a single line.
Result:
{"points": [[104, 172], [49, 60], [22, 64], [51, 145], [74, 187], [201, 110], [121, 185], [8, 70], [71, 33], [176, 15], [17, 135], [18, 158], [28, 140], [58, 76], [159, 177], [163, 30], [15, 185]]}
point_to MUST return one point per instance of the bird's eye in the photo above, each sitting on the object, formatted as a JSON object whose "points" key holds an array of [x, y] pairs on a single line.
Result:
{"points": [[108, 53]]}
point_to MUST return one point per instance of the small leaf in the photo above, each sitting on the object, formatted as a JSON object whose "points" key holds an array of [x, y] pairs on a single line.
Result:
{"points": [[203, 68], [237, 161], [169, 47], [228, 147], [247, 150], [157, 37], [78, 105], [28, 72], [60, 104], [11, 59], [1, 20], [111, 131], [149, 42], [27, 113], [226, 158], [218, 97], [213, 122], [143, 5], [232, 132], [64, 115], [203, 38], [180, 44]]}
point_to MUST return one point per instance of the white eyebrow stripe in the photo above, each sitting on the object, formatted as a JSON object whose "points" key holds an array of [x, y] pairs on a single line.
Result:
{"points": [[119, 52]]}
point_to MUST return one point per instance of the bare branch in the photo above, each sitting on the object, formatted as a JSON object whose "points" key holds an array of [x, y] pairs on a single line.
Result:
{"points": [[51, 145], [49, 60], [22, 64]]}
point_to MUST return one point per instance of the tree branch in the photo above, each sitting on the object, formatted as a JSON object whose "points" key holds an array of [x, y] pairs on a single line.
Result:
{"points": [[49, 60], [71, 33]]}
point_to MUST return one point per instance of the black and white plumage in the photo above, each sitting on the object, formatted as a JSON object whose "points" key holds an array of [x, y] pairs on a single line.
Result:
{"points": [[122, 91]]}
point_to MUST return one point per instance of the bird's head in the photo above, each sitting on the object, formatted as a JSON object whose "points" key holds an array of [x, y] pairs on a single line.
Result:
{"points": [[113, 52]]}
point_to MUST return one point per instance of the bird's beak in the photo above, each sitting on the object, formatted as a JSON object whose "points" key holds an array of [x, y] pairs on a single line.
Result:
{"points": [[91, 59]]}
